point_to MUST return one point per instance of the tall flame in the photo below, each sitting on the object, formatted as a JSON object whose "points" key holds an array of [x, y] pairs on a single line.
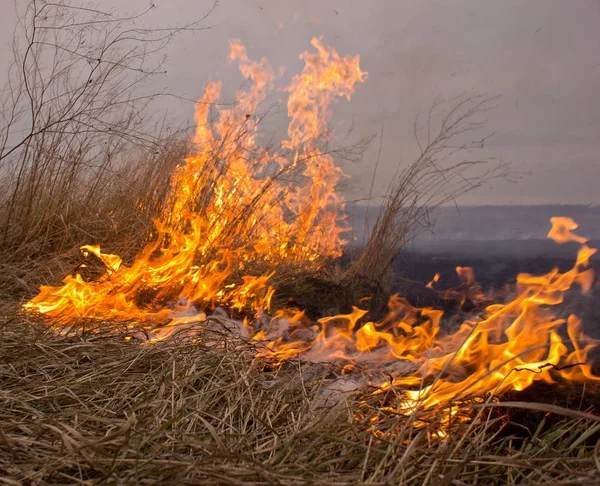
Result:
{"points": [[232, 205]]}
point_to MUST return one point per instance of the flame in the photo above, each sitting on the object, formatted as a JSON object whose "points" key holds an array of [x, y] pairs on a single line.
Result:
{"points": [[507, 347], [436, 279], [237, 210], [561, 231], [232, 206]]}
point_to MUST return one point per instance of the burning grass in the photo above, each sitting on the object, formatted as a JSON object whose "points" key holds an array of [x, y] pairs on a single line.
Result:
{"points": [[93, 408], [133, 372]]}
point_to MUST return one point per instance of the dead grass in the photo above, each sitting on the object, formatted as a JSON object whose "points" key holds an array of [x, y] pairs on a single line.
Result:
{"points": [[114, 209], [93, 408], [84, 156], [450, 163]]}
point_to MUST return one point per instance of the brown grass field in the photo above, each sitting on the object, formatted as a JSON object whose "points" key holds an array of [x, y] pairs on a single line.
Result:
{"points": [[94, 405], [93, 408]]}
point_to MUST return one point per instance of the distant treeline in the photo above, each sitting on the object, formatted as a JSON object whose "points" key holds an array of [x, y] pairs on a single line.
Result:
{"points": [[484, 223]]}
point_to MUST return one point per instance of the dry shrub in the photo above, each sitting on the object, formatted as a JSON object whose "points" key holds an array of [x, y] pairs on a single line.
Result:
{"points": [[81, 155], [450, 164]]}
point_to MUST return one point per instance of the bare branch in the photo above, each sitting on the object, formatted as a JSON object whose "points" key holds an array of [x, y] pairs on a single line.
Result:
{"points": [[75, 102]]}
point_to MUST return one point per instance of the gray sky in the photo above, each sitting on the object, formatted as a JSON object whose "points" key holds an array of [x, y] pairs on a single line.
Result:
{"points": [[542, 56]]}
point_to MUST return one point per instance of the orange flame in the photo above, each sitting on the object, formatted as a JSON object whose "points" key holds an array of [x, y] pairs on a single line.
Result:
{"points": [[436, 279], [508, 347], [231, 205], [561, 231]]}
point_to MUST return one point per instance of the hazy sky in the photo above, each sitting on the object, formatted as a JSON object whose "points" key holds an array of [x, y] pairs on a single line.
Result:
{"points": [[542, 56]]}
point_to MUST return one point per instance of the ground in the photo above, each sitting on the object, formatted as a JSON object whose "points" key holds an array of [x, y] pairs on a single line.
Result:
{"points": [[92, 407]]}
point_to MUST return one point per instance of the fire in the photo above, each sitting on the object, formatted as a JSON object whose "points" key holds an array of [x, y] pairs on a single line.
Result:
{"points": [[234, 205], [508, 347], [238, 210]]}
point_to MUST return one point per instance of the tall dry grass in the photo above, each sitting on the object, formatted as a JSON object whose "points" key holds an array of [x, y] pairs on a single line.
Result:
{"points": [[83, 156], [83, 159], [451, 162]]}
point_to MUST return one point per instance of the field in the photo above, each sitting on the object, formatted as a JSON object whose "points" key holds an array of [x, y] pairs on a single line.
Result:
{"points": [[93, 408], [179, 304]]}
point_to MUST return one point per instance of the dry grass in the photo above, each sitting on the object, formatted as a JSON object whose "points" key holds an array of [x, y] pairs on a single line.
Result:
{"points": [[93, 408], [114, 209], [83, 156], [450, 163]]}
